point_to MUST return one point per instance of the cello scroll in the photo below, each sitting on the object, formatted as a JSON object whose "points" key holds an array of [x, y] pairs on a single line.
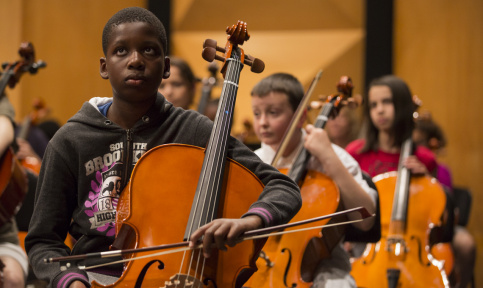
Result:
{"points": [[13, 71], [237, 35]]}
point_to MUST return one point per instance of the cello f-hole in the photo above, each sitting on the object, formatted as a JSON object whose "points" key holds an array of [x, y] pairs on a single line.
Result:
{"points": [[287, 268], [420, 251], [140, 279]]}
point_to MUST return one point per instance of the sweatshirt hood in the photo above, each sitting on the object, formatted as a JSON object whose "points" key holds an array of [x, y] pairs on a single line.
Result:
{"points": [[89, 113]]}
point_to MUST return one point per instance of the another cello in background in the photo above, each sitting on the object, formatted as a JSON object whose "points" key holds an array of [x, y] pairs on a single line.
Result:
{"points": [[206, 90], [13, 180]]}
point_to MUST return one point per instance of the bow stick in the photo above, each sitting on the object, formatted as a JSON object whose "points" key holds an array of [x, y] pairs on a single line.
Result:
{"points": [[250, 235], [296, 118]]}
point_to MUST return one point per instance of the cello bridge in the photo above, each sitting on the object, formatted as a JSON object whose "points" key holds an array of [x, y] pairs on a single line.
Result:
{"points": [[397, 245], [183, 280], [265, 257]]}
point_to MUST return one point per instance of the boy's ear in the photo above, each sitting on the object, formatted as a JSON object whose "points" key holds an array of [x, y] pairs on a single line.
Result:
{"points": [[167, 67], [103, 69]]}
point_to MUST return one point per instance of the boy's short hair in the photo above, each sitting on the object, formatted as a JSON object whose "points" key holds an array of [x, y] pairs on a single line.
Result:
{"points": [[130, 15], [282, 83]]}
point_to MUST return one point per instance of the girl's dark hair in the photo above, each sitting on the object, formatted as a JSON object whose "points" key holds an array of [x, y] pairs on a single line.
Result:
{"points": [[404, 108], [184, 69]]}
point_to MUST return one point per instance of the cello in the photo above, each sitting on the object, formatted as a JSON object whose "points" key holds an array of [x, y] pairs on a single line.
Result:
{"points": [[13, 179], [291, 260], [224, 189], [402, 256], [208, 84]]}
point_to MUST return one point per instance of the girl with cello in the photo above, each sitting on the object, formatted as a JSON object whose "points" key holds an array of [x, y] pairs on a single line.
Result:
{"points": [[388, 110], [274, 102], [90, 159]]}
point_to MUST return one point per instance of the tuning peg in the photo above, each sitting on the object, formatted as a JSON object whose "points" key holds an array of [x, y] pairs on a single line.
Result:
{"points": [[209, 54], [212, 43], [257, 65], [35, 66]]}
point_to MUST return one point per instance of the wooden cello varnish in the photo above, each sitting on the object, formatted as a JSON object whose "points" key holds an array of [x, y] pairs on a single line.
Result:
{"points": [[410, 208]]}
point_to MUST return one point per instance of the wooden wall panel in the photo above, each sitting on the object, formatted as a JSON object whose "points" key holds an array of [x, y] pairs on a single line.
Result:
{"points": [[67, 36], [294, 37], [11, 39], [438, 48]]}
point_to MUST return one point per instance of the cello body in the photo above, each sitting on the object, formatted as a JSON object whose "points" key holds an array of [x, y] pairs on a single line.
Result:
{"points": [[291, 259], [147, 179], [13, 186], [407, 251]]}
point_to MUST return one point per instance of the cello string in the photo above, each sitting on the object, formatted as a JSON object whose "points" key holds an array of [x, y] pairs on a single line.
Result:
{"points": [[233, 73], [205, 183], [213, 167], [210, 174], [222, 134]]}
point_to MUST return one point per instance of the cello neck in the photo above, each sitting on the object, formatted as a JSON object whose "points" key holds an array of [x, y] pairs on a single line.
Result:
{"points": [[299, 167], [401, 193], [24, 129], [208, 84], [205, 204], [4, 81]]}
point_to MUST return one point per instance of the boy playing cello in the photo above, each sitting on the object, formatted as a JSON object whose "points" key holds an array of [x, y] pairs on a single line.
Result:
{"points": [[104, 140]]}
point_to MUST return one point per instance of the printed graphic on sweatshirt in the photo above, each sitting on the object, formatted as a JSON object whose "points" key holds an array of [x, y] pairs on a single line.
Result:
{"points": [[106, 187], [102, 203]]}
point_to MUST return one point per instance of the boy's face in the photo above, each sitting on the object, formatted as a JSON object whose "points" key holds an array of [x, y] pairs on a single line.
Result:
{"points": [[272, 115], [135, 62]]}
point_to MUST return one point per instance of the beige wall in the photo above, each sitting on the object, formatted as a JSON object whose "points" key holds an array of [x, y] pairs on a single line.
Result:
{"points": [[438, 50], [298, 37], [67, 36]]}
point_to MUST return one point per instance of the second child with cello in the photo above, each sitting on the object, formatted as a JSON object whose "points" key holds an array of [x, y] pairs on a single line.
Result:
{"points": [[274, 102]]}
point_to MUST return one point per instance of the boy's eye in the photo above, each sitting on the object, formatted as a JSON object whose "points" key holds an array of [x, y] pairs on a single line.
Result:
{"points": [[151, 51], [274, 112], [120, 51]]}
